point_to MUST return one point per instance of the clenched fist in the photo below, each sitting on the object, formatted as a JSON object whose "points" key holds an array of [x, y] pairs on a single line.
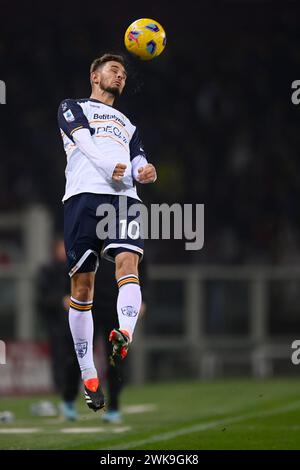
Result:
{"points": [[119, 171], [147, 174]]}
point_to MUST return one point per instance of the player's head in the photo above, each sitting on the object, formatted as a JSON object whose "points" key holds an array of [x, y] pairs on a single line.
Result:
{"points": [[109, 74]]}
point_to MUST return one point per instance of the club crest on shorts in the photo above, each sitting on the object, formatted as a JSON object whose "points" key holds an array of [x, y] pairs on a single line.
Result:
{"points": [[129, 311], [81, 349]]}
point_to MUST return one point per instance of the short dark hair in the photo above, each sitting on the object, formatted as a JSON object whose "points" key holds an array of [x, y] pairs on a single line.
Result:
{"points": [[107, 58]]}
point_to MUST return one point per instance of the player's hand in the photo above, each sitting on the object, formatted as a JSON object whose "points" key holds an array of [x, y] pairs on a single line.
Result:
{"points": [[119, 171], [147, 174]]}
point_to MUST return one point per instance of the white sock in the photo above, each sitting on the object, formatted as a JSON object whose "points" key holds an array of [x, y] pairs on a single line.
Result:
{"points": [[82, 329], [129, 302]]}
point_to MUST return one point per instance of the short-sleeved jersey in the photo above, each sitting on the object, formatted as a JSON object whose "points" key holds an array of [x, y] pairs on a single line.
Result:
{"points": [[114, 135]]}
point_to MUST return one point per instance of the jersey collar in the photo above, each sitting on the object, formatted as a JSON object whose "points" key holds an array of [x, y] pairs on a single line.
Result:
{"points": [[98, 101]]}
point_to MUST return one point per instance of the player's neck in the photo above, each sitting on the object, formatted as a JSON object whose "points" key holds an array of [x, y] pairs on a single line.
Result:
{"points": [[103, 96]]}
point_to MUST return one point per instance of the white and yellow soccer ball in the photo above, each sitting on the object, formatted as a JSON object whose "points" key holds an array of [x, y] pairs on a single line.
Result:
{"points": [[145, 38]]}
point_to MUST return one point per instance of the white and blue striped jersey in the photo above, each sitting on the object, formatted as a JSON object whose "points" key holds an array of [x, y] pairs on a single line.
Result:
{"points": [[96, 137]]}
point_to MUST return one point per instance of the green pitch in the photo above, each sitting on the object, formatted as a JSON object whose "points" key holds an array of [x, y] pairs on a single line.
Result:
{"points": [[232, 414]]}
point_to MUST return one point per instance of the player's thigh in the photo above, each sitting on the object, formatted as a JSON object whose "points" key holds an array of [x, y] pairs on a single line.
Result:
{"points": [[81, 242], [127, 236]]}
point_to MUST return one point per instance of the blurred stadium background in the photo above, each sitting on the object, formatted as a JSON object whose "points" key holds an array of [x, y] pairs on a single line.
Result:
{"points": [[217, 120]]}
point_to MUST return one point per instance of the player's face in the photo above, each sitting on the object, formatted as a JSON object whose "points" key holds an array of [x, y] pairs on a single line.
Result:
{"points": [[112, 78]]}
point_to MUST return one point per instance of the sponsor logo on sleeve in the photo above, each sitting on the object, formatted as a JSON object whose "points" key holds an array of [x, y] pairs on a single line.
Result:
{"points": [[69, 116]]}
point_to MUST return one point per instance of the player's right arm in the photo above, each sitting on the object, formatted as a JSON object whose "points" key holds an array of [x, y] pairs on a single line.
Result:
{"points": [[74, 124], [85, 143]]}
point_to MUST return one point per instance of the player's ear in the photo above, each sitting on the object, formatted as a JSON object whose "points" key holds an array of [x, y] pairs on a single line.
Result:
{"points": [[95, 77]]}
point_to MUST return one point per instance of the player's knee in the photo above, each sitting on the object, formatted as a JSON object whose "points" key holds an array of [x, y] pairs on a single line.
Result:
{"points": [[83, 293], [126, 263], [83, 287]]}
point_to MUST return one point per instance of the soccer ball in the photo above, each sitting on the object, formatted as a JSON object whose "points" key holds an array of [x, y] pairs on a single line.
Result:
{"points": [[145, 38]]}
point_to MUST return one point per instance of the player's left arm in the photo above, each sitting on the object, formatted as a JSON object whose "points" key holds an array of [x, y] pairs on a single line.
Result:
{"points": [[142, 171]]}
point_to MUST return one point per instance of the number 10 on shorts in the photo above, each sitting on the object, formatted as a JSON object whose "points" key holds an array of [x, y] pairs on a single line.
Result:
{"points": [[132, 230]]}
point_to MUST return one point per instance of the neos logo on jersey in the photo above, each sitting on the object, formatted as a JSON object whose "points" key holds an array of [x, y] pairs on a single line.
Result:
{"points": [[104, 124], [115, 131]]}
